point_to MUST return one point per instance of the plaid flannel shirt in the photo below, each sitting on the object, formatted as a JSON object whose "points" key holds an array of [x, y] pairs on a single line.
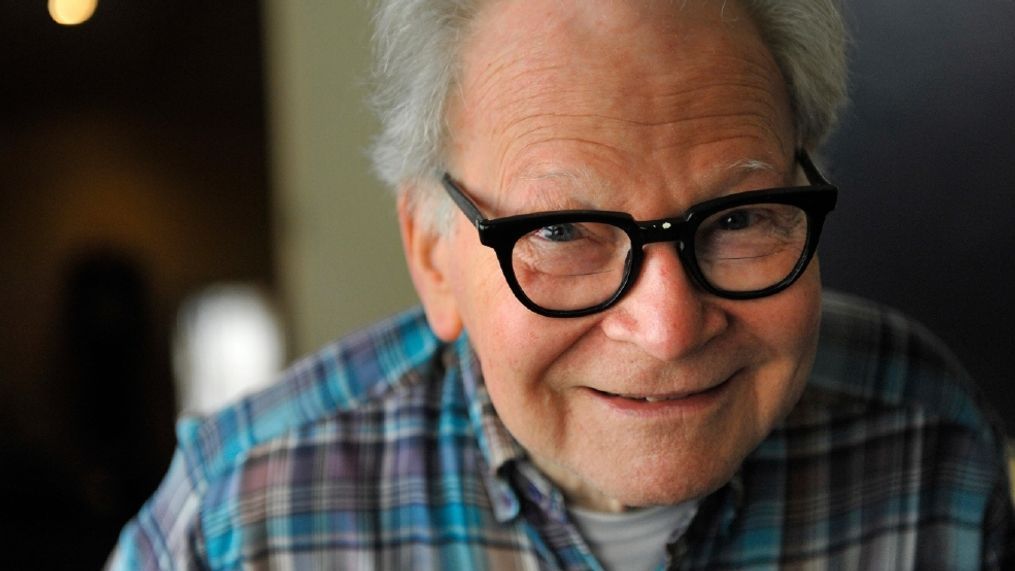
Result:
{"points": [[384, 452]]}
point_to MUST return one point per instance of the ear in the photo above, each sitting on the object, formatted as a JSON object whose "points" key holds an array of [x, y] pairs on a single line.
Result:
{"points": [[427, 254]]}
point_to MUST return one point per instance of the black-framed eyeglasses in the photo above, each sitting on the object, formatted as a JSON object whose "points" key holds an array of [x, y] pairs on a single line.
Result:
{"points": [[571, 263]]}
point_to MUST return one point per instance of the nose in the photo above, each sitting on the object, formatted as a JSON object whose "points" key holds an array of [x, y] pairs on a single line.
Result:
{"points": [[664, 313]]}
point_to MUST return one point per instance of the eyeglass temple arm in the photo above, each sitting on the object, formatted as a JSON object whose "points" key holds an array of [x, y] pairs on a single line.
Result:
{"points": [[814, 175], [463, 202]]}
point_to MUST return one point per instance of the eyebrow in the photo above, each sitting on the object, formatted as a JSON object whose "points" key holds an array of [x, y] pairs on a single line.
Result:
{"points": [[733, 174], [753, 165], [584, 175], [580, 179]]}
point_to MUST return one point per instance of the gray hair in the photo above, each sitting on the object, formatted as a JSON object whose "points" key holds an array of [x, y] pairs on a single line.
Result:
{"points": [[417, 57]]}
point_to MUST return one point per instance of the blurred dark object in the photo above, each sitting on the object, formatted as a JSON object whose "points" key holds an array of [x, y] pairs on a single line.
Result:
{"points": [[108, 373], [112, 458]]}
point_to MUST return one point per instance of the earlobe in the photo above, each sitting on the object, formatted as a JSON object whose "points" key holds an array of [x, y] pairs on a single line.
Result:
{"points": [[427, 254]]}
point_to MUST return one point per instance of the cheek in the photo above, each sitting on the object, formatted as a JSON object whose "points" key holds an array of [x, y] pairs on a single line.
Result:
{"points": [[788, 330], [518, 351], [514, 344], [477, 285], [786, 323], [797, 329], [517, 347]]}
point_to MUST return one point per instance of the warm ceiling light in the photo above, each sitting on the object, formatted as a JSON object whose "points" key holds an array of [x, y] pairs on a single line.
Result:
{"points": [[72, 12]]}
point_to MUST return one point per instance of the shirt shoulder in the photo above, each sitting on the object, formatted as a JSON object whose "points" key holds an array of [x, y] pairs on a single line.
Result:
{"points": [[239, 473], [891, 457], [873, 356], [349, 375]]}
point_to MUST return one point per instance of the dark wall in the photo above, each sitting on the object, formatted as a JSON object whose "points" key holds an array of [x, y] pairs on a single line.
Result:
{"points": [[926, 162]]}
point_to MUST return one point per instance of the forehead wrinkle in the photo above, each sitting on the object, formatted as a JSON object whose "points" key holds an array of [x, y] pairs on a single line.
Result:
{"points": [[511, 71], [755, 108], [754, 87], [522, 85], [518, 86], [593, 188], [579, 176], [643, 110], [532, 72], [628, 106], [551, 121]]}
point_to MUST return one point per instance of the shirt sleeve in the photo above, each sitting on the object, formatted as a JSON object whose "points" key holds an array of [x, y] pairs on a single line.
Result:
{"points": [[166, 533]]}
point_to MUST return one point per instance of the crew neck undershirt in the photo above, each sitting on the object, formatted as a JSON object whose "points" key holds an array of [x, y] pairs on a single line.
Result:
{"points": [[633, 540]]}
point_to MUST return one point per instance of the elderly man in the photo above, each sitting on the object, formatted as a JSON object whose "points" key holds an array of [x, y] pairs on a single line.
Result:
{"points": [[626, 362]]}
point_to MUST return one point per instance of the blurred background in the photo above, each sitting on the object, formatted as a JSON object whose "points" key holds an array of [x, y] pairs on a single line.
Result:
{"points": [[184, 195]]}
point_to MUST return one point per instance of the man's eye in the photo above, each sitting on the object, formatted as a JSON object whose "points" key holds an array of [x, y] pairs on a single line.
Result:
{"points": [[559, 232], [736, 220]]}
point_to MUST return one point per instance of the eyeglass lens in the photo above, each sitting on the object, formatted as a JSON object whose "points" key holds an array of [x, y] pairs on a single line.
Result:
{"points": [[578, 265]]}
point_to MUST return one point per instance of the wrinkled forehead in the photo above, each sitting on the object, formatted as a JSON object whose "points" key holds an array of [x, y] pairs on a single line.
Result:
{"points": [[648, 75], [606, 43]]}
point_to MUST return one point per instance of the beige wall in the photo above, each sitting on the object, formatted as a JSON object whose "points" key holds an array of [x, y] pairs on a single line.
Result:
{"points": [[339, 259]]}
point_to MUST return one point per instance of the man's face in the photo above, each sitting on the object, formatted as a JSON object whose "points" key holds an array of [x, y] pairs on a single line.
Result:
{"points": [[648, 108]]}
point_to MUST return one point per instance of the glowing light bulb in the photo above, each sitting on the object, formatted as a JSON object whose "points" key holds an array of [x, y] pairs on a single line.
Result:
{"points": [[72, 12]]}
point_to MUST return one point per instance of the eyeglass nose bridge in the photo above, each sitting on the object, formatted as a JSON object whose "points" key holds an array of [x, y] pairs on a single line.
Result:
{"points": [[663, 230]]}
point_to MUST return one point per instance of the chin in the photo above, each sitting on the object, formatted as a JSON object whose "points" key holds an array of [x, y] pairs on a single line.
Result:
{"points": [[679, 480]]}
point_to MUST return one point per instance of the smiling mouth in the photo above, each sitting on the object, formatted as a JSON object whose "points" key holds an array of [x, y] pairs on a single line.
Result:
{"points": [[649, 398], [654, 398], [663, 398]]}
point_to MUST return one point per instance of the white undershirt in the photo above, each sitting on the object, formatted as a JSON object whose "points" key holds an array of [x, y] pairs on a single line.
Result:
{"points": [[633, 540]]}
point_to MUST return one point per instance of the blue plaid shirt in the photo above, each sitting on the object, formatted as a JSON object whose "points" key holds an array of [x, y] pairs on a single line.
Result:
{"points": [[384, 452]]}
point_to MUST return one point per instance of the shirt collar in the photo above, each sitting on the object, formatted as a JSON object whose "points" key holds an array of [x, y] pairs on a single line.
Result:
{"points": [[499, 448]]}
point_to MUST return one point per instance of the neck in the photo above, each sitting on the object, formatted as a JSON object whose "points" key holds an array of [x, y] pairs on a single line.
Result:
{"points": [[577, 491]]}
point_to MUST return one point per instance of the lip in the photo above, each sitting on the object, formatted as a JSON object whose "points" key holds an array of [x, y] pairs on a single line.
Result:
{"points": [[661, 404]]}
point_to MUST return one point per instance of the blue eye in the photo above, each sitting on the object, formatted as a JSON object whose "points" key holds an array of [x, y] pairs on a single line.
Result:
{"points": [[559, 232]]}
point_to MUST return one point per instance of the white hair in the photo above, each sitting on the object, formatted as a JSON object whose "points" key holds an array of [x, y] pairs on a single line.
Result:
{"points": [[416, 64]]}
